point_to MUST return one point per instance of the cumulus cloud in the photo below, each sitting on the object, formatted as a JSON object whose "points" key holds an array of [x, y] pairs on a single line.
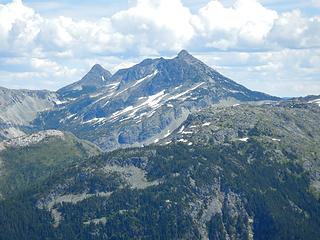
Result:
{"points": [[292, 30], [24, 31], [315, 3], [19, 26], [152, 28], [286, 72], [156, 25], [247, 23]]}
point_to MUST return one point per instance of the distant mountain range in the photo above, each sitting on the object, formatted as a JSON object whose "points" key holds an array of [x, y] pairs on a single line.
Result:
{"points": [[133, 107], [166, 149]]}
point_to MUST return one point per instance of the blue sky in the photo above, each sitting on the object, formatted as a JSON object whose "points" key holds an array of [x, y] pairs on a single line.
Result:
{"points": [[266, 45], [92, 9]]}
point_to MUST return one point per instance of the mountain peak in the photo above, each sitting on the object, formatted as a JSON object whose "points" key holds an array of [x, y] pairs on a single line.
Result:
{"points": [[98, 68], [94, 79], [184, 54], [96, 73]]}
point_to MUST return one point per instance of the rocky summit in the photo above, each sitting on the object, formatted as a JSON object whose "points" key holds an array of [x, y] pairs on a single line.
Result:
{"points": [[91, 82], [166, 149]]}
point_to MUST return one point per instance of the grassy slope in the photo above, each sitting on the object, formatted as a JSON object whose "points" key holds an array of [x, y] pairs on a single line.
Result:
{"points": [[27, 166]]}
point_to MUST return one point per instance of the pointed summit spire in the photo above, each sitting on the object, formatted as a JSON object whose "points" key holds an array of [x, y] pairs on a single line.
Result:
{"points": [[97, 77], [98, 71], [186, 56], [184, 53], [97, 67]]}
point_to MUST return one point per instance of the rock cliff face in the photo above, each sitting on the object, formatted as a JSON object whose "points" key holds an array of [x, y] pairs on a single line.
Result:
{"points": [[18, 108], [142, 104]]}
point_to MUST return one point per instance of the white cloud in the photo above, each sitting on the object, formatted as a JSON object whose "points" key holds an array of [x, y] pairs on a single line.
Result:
{"points": [[287, 72], [156, 25], [292, 30], [246, 22], [316, 3], [18, 26], [51, 68]]}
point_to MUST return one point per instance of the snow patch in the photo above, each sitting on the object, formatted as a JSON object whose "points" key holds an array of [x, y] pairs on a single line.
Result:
{"points": [[110, 88], [95, 120], [167, 134], [58, 102], [71, 116], [244, 139], [170, 105], [187, 132], [186, 92], [152, 101], [181, 129], [152, 75], [316, 101]]}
